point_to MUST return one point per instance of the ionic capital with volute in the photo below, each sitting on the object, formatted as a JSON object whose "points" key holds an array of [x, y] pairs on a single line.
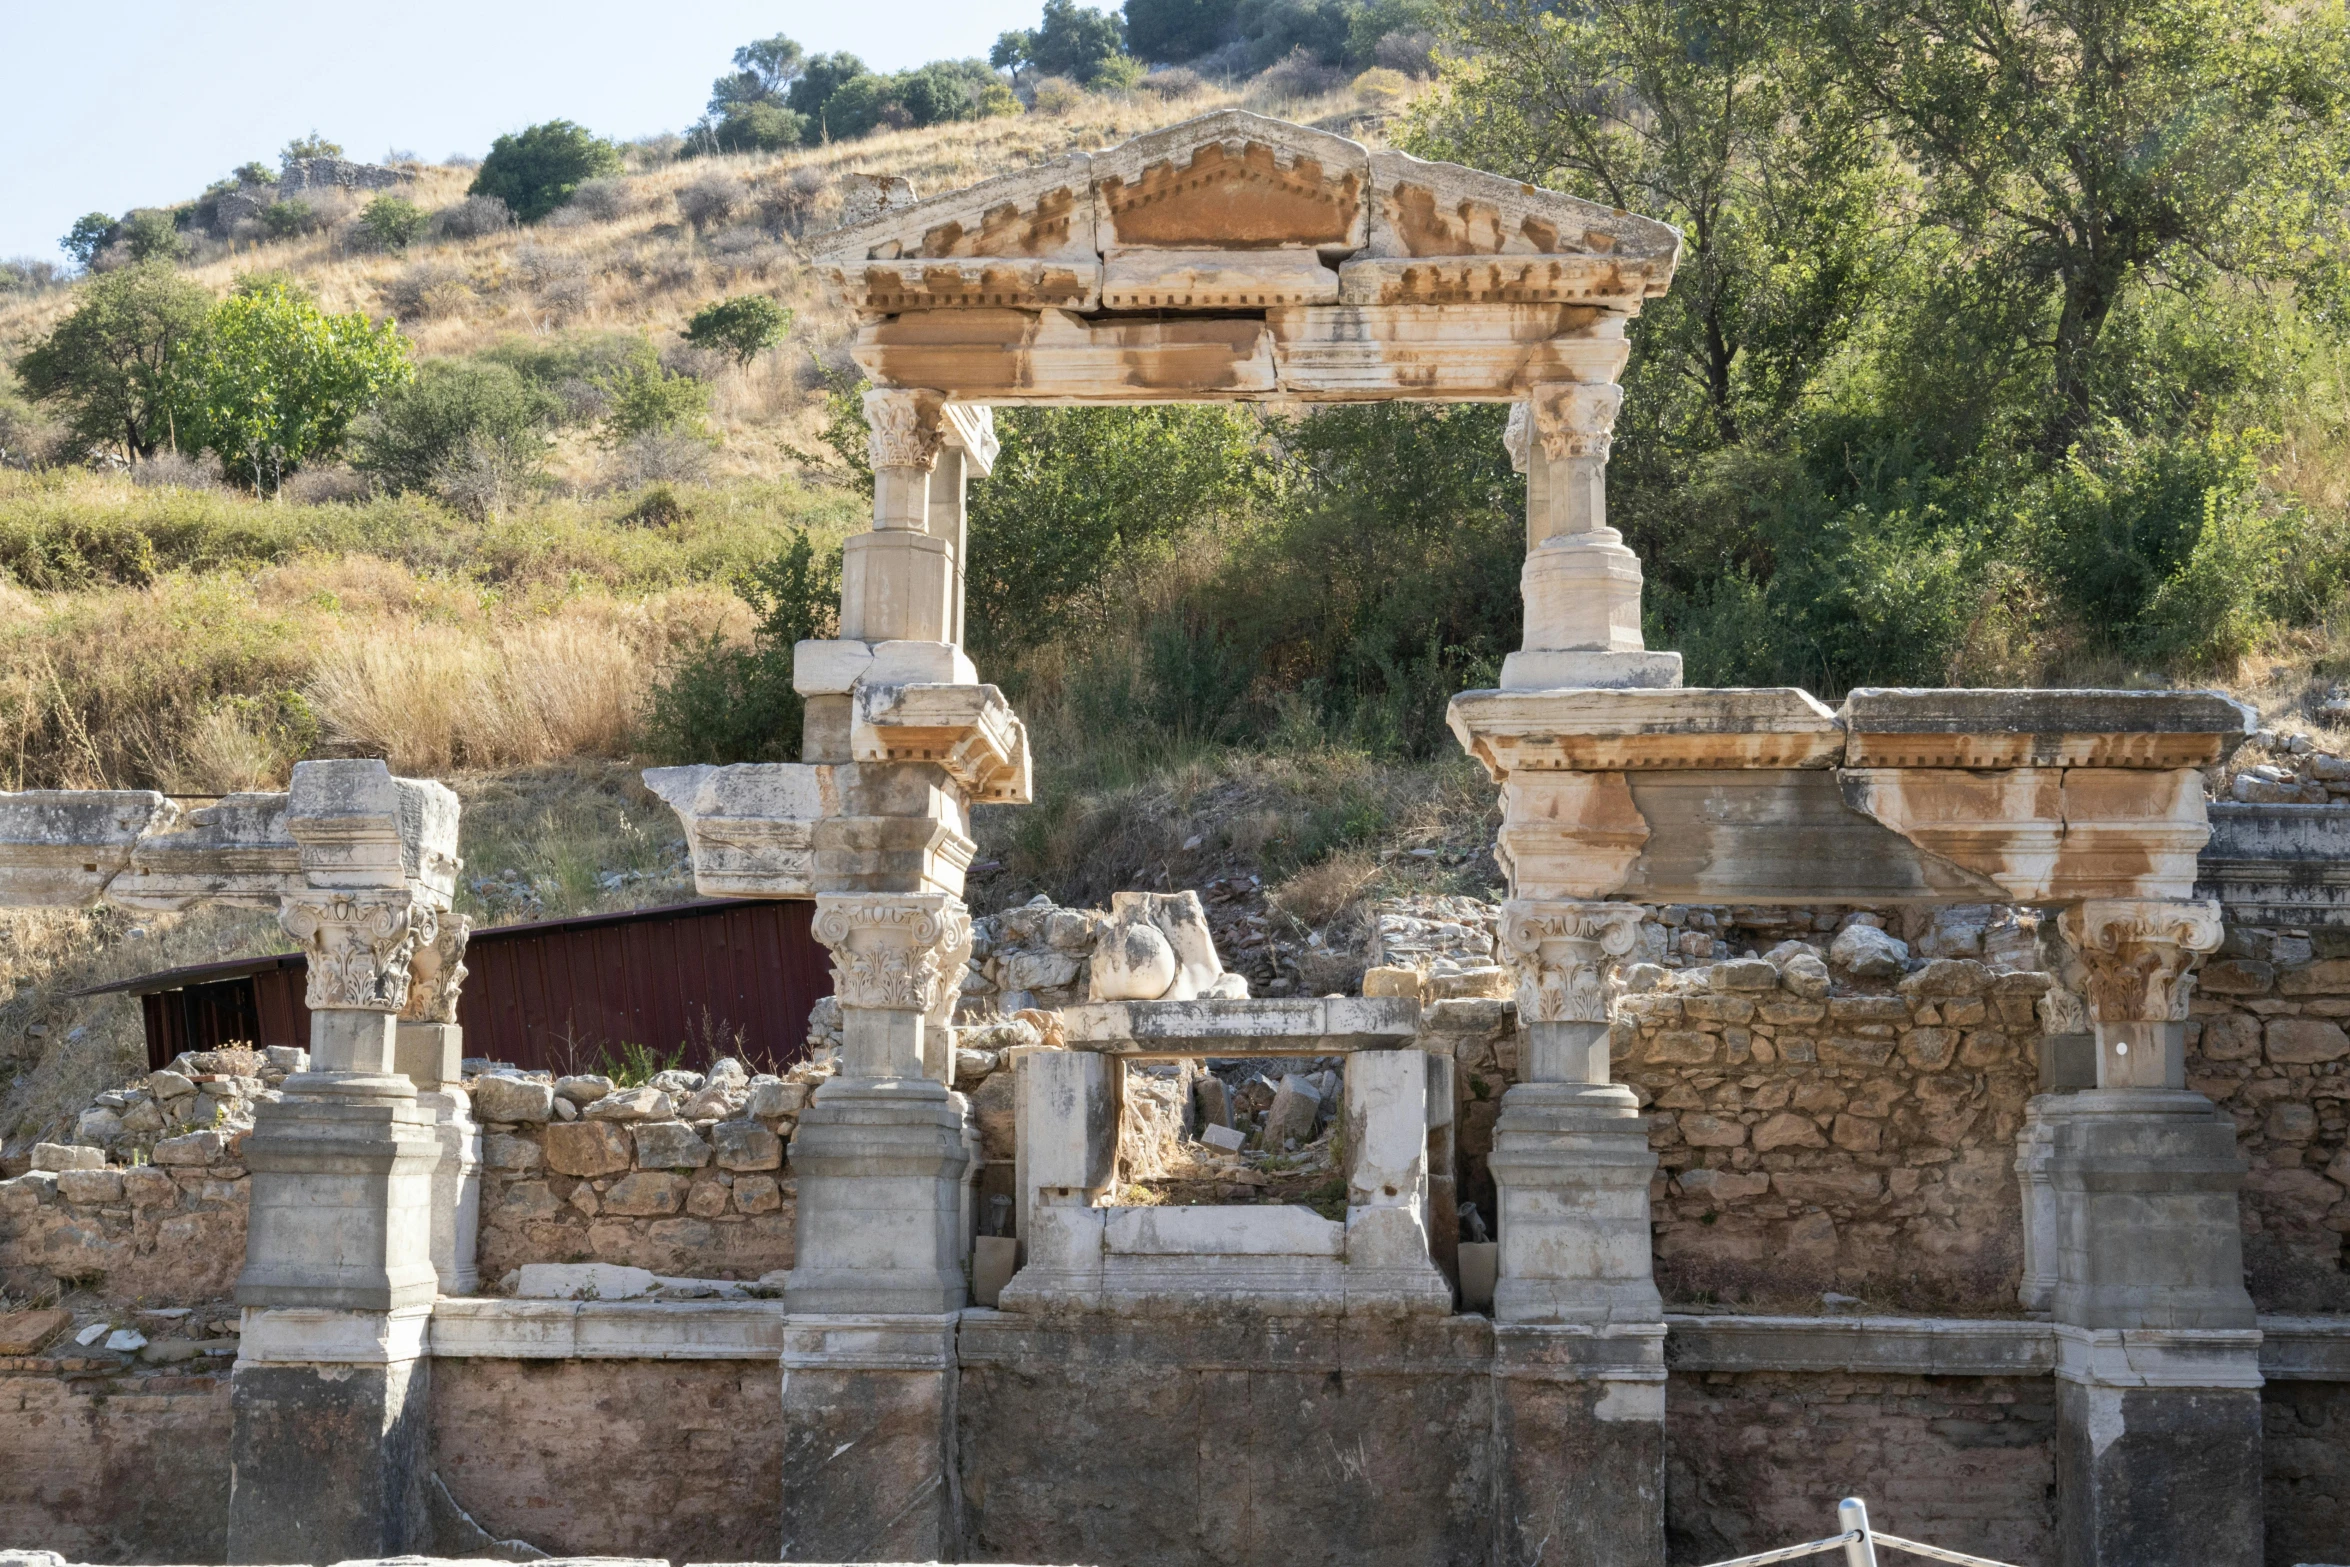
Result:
{"points": [[1563, 953]]}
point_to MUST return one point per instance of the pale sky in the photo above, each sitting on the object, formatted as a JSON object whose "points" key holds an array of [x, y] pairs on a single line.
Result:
{"points": [[108, 106]]}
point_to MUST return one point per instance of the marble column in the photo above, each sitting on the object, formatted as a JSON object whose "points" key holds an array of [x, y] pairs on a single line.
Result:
{"points": [[1581, 585], [2158, 1438], [1579, 1375]]}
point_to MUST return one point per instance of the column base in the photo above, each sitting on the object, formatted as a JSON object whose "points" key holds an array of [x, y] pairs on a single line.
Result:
{"points": [[1571, 1166], [2158, 1449], [880, 1165], [1546, 670], [329, 1446], [883, 1386], [342, 1196]]}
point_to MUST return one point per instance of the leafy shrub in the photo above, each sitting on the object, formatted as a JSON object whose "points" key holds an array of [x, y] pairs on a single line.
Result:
{"points": [[456, 417], [757, 127], [534, 171], [711, 199], [1173, 83], [649, 400], [310, 146], [575, 368], [604, 199], [255, 173], [150, 235], [727, 703], [29, 275], [393, 222], [1057, 95], [743, 327], [1086, 46], [1380, 86], [288, 219], [473, 218]]}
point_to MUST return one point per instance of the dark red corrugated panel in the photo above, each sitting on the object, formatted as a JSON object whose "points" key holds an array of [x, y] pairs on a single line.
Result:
{"points": [[563, 995]]}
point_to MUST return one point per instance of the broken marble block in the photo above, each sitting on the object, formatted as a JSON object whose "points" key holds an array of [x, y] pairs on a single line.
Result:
{"points": [[1156, 946]]}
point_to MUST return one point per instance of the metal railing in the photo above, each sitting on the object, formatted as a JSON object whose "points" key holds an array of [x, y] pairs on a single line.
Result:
{"points": [[1859, 1544]]}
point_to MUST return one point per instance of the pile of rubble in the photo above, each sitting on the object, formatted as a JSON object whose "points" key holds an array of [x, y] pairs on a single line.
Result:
{"points": [[202, 1090], [2298, 770]]}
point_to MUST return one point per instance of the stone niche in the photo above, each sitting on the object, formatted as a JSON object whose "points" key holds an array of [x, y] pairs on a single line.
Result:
{"points": [[1082, 1249]]}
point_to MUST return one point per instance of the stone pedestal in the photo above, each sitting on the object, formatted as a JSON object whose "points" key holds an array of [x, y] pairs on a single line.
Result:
{"points": [[1571, 1163], [2159, 1425], [431, 1056], [880, 1387], [329, 1453], [1579, 1422]]}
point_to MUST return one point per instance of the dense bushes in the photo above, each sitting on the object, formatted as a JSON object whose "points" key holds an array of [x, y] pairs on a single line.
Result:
{"points": [[466, 431]]}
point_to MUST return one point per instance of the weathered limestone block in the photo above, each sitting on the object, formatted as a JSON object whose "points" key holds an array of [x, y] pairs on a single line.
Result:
{"points": [[968, 730], [1231, 180], [238, 851], [882, 1387], [64, 846], [1215, 279], [1157, 947], [2001, 729]]}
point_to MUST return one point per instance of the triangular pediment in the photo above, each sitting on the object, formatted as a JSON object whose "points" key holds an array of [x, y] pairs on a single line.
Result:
{"points": [[1039, 214], [1232, 181], [1422, 209]]}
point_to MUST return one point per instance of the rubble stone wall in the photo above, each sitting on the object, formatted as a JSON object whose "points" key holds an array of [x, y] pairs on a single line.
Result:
{"points": [[1858, 1138], [709, 1199], [638, 1458], [2267, 1042], [171, 1232], [105, 1463], [1759, 1459]]}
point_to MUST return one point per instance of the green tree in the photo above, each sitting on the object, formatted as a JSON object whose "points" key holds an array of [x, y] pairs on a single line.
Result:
{"points": [[1083, 501], [753, 127], [742, 327], [811, 92], [534, 171], [394, 222], [288, 219], [454, 412], [280, 381], [91, 233], [1082, 44], [254, 174], [2085, 148], [120, 367], [311, 146], [763, 72], [1166, 32], [151, 235]]}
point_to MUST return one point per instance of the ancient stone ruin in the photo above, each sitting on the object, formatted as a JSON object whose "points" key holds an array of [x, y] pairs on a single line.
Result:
{"points": [[1790, 1010]]}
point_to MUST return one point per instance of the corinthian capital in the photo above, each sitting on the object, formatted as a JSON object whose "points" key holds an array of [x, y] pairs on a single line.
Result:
{"points": [[1562, 954], [359, 944], [2138, 954], [437, 972], [903, 428], [891, 951], [1574, 419]]}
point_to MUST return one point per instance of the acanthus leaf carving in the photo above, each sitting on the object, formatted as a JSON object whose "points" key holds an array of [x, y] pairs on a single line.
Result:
{"points": [[1574, 419], [890, 952], [358, 945], [902, 428], [1564, 955], [436, 973], [2139, 955]]}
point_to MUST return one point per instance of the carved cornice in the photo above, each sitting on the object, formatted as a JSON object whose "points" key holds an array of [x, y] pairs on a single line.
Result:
{"points": [[903, 428], [359, 945], [2139, 955], [1573, 419], [890, 951], [1563, 955], [437, 972]]}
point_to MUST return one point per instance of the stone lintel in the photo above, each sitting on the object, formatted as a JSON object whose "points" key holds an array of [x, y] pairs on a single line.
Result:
{"points": [[1641, 730], [2022, 728], [236, 851], [61, 847], [1300, 1025], [968, 730], [1228, 279], [2048, 834]]}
